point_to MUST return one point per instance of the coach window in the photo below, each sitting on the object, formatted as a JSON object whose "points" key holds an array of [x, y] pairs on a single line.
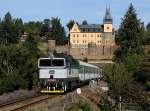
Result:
{"points": [[81, 69], [87, 70]]}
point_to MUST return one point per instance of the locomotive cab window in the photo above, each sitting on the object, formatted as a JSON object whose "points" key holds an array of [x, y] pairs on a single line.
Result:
{"points": [[58, 62], [51, 63], [45, 63]]}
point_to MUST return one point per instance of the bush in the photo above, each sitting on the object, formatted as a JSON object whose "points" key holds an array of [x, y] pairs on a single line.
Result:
{"points": [[80, 106], [12, 82], [18, 66]]}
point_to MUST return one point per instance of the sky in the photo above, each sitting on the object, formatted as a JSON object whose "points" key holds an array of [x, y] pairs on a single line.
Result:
{"points": [[91, 10]]}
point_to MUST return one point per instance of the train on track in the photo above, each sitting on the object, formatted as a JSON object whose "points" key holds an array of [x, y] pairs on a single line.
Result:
{"points": [[60, 74]]}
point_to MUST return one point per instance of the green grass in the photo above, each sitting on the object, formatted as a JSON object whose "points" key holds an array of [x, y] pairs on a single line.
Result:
{"points": [[42, 46], [37, 108]]}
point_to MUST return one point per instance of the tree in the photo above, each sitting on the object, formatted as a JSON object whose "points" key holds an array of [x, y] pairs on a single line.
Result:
{"points": [[18, 65], [31, 45], [45, 28], [84, 22], [10, 67], [8, 32], [33, 28], [120, 81], [126, 77], [19, 26], [57, 31], [129, 33], [8, 17], [148, 26], [70, 24], [146, 40]]}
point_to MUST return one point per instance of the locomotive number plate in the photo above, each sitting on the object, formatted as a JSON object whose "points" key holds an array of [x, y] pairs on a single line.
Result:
{"points": [[51, 71]]}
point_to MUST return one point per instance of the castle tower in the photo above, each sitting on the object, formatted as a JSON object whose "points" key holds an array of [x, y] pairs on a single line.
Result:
{"points": [[107, 21]]}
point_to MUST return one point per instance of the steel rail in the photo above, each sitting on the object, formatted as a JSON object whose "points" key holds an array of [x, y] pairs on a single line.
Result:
{"points": [[25, 104]]}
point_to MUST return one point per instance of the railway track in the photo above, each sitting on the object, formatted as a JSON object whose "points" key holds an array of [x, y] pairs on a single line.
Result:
{"points": [[22, 105], [27, 103]]}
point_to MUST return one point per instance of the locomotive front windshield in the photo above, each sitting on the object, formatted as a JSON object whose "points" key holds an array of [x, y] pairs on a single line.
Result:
{"points": [[51, 63], [45, 63], [58, 62]]}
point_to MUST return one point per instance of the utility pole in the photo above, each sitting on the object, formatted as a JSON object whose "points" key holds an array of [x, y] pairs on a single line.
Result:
{"points": [[120, 105]]}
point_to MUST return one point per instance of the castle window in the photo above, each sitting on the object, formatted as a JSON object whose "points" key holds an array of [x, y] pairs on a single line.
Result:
{"points": [[73, 35], [99, 41], [97, 35], [107, 27], [77, 35]]}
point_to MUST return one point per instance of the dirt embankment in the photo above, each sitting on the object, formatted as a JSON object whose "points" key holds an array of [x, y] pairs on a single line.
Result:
{"points": [[17, 95], [91, 95]]}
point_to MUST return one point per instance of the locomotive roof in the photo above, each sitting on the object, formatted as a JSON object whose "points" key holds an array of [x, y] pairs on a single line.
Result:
{"points": [[51, 58], [74, 62], [87, 64]]}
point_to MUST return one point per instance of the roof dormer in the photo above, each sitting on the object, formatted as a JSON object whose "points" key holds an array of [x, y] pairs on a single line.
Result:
{"points": [[75, 28]]}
